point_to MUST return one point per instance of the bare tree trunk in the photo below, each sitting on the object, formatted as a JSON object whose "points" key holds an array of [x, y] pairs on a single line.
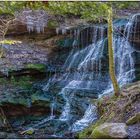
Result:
{"points": [[111, 56]]}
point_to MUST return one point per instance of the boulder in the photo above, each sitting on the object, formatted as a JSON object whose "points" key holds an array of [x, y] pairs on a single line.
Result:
{"points": [[110, 130]]}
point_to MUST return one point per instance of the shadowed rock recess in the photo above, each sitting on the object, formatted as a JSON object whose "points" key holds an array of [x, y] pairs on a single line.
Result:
{"points": [[69, 82]]}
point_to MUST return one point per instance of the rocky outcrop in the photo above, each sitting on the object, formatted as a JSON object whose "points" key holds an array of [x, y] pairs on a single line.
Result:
{"points": [[18, 29], [27, 58], [110, 130], [18, 57], [21, 102]]}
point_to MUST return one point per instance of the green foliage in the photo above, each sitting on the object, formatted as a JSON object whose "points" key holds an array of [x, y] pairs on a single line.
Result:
{"points": [[125, 5], [88, 10], [10, 7]]}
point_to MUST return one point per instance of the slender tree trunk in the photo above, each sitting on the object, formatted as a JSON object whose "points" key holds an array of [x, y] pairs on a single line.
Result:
{"points": [[111, 56]]}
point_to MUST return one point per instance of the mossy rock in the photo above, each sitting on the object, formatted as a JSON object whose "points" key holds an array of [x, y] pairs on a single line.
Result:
{"points": [[85, 133], [109, 130], [38, 67], [134, 119]]}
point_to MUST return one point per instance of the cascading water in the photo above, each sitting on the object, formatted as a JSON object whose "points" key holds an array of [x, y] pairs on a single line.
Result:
{"points": [[126, 69], [123, 50], [85, 76], [88, 117], [82, 62]]}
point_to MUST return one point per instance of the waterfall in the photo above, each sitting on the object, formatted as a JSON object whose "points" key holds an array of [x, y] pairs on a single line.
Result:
{"points": [[86, 75], [86, 65], [90, 57], [66, 111], [123, 50], [126, 70], [88, 117]]}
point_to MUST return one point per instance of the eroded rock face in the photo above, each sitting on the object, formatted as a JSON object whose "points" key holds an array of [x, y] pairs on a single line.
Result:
{"points": [[110, 130], [17, 28], [17, 57], [24, 102]]}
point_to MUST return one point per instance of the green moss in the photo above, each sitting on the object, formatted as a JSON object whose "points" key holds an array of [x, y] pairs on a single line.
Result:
{"points": [[39, 67], [97, 134], [85, 133]]}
